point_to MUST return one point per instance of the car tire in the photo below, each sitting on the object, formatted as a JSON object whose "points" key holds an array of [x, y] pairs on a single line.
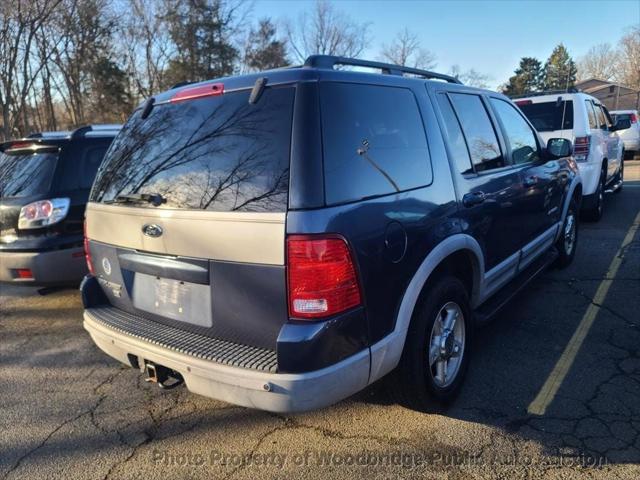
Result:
{"points": [[568, 240], [441, 318], [594, 213]]}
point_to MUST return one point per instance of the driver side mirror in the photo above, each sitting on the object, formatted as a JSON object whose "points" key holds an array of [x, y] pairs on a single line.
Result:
{"points": [[622, 124], [559, 147]]}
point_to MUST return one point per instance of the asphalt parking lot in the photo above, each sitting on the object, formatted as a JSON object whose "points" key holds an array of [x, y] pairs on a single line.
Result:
{"points": [[69, 411]]}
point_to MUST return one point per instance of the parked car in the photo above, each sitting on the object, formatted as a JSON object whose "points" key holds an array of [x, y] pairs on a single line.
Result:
{"points": [[44, 185], [282, 240], [582, 119], [630, 136]]}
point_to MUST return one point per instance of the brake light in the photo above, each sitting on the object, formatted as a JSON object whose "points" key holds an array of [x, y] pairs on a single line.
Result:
{"points": [[520, 103], [87, 252], [322, 279], [200, 91], [581, 148], [43, 213], [634, 118]]}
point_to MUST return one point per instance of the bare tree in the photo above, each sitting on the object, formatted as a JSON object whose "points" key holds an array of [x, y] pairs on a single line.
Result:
{"points": [[628, 65], [326, 31], [600, 61], [405, 50], [470, 77]]}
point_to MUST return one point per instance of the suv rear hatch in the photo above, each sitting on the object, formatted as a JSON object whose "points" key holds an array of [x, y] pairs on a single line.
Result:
{"points": [[552, 119], [26, 172], [186, 218]]}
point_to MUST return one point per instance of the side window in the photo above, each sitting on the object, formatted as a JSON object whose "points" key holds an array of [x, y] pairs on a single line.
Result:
{"points": [[593, 123], [478, 131], [457, 145], [607, 117], [90, 163], [522, 140], [602, 121], [374, 141]]}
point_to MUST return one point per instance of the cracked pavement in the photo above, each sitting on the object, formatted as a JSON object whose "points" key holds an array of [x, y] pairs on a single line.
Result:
{"points": [[69, 411]]}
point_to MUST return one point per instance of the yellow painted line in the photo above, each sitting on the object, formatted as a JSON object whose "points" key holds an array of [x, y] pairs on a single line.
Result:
{"points": [[557, 376]]}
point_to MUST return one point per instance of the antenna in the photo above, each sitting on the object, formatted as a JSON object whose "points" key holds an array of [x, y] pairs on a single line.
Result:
{"points": [[564, 107]]}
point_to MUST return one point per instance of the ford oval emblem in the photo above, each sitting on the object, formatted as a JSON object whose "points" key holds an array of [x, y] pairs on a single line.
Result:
{"points": [[152, 230], [106, 266]]}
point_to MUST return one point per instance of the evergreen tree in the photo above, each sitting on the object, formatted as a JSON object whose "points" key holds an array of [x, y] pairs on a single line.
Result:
{"points": [[264, 50], [202, 32], [527, 78], [560, 70]]}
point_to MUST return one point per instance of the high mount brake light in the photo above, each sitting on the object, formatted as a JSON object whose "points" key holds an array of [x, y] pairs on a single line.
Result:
{"points": [[200, 91], [322, 279], [520, 103]]}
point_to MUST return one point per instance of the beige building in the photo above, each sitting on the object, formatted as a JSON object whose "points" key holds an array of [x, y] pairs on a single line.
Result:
{"points": [[613, 95]]}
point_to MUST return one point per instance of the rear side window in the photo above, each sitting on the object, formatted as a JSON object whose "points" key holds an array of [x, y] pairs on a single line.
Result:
{"points": [[593, 123], [549, 116], [457, 145], [478, 131], [374, 141], [522, 140], [25, 174], [78, 166], [602, 121], [217, 153]]}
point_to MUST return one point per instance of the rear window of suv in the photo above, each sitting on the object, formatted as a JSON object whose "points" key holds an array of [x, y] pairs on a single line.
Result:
{"points": [[25, 174], [218, 153], [374, 141], [548, 116]]}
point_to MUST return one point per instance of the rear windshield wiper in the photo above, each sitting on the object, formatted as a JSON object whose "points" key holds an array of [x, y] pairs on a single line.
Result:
{"points": [[154, 199]]}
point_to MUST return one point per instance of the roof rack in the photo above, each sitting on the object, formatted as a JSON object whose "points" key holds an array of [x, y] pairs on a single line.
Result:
{"points": [[58, 134], [329, 62], [547, 92], [95, 130]]}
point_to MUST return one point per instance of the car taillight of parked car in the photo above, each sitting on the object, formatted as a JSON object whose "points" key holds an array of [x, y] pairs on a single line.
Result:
{"points": [[43, 213], [634, 118], [87, 251], [581, 148], [322, 279]]}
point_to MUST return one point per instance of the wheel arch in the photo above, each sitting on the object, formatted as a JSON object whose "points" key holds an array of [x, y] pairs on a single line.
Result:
{"points": [[448, 256]]}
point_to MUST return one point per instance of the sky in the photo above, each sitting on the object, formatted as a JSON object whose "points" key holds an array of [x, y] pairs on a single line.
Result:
{"points": [[488, 36]]}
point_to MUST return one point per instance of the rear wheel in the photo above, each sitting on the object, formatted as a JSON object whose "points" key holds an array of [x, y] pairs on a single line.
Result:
{"points": [[595, 212], [566, 244], [436, 350]]}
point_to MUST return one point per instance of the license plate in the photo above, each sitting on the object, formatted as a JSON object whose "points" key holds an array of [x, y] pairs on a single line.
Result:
{"points": [[175, 299]]}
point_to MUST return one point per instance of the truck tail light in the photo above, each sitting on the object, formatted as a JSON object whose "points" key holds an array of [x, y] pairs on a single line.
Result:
{"points": [[87, 251], [581, 148], [322, 279], [634, 118]]}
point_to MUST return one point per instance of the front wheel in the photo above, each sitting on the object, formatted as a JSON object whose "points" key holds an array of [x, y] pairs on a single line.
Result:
{"points": [[566, 244], [436, 349]]}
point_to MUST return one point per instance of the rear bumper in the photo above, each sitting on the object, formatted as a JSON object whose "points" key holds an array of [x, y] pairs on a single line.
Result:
{"points": [[590, 175], [241, 386], [631, 144], [54, 267]]}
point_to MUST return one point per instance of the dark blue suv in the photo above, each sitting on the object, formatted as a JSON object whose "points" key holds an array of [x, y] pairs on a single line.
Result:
{"points": [[284, 239]]}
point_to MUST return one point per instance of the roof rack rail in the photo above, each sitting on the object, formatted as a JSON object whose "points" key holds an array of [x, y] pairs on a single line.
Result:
{"points": [[330, 61], [53, 134], [100, 128], [547, 92]]}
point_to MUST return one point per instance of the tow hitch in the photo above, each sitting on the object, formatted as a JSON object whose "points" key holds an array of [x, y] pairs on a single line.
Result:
{"points": [[160, 375]]}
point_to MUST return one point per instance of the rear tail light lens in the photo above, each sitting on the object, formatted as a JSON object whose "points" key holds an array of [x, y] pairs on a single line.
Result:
{"points": [[634, 118], [43, 213], [87, 251], [322, 279], [581, 148]]}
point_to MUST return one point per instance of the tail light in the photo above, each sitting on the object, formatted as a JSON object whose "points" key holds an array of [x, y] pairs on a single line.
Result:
{"points": [[322, 279], [87, 251], [23, 273], [581, 148], [634, 118], [43, 213]]}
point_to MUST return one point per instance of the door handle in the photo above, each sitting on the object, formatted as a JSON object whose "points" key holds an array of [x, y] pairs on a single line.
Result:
{"points": [[471, 199], [530, 181]]}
